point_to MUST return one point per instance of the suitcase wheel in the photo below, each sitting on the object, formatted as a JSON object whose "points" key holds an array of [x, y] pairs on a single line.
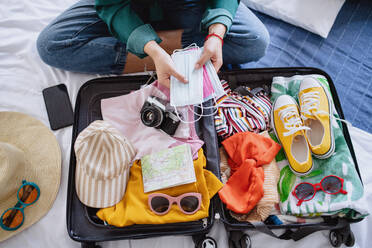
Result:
{"points": [[245, 241], [207, 242], [350, 241], [239, 239], [335, 238], [90, 245], [338, 237]]}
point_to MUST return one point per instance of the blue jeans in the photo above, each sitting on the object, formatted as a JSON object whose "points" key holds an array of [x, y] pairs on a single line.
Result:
{"points": [[78, 40]]}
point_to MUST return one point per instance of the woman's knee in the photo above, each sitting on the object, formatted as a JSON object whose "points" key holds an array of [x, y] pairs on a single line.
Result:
{"points": [[257, 45], [263, 42], [246, 46], [102, 55], [56, 45], [45, 46]]}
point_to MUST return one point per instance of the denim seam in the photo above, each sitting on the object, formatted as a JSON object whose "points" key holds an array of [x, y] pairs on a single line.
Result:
{"points": [[119, 61], [95, 44], [84, 28], [67, 43], [70, 41], [256, 37]]}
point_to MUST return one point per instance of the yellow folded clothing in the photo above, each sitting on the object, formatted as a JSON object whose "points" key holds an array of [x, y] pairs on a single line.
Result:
{"points": [[134, 209]]}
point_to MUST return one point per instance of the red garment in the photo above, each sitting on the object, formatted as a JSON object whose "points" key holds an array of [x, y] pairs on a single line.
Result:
{"points": [[247, 152]]}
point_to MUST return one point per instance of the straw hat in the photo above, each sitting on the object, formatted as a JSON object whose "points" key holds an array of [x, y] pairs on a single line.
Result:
{"points": [[103, 159], [30, 151]]}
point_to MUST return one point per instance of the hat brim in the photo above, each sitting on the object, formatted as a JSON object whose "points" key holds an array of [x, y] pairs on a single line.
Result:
{"points": [[43, 164], [99, 193]]}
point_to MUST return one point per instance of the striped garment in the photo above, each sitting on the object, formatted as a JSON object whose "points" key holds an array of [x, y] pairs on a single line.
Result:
{"points": [[237, 113], [103, 158]]}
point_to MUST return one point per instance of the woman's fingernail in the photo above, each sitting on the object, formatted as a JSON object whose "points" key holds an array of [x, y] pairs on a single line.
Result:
{"points": [[197, 66]]}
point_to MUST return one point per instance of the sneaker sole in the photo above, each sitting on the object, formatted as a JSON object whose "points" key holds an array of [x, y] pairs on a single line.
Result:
{"points": [[273, 127]]}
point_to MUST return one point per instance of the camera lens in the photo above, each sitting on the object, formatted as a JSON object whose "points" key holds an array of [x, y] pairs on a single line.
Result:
{"points": [[152, 116]]}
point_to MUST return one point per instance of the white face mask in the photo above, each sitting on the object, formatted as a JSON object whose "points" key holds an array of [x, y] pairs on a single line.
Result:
{"points": [[191, 93]]}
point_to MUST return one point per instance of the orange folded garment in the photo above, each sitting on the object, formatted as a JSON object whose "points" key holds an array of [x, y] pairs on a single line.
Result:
{"points": [[247, 152]]}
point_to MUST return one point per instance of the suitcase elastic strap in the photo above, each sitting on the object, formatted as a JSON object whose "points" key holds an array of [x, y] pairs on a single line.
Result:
{"points": [[300, 232]]}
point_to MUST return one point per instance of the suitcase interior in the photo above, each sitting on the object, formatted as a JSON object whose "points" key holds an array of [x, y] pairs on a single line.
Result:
{"points": [[84, 226], [263, 77], [82, 223]]}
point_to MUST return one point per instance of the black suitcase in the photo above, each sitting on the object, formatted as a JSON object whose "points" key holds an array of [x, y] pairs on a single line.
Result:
{"points": [[82, 224], [340, 227]]}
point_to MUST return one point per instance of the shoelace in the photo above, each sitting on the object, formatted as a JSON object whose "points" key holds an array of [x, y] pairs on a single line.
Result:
{"points": [[291, 120], [310, 101]]}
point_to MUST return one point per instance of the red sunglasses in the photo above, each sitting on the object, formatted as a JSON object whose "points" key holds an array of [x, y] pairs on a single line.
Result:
{"points": [[188, 203], [330, 184]]}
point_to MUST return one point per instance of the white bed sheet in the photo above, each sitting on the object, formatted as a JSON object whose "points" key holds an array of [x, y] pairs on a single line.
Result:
{"points": [[316, 16], [23, 76]]}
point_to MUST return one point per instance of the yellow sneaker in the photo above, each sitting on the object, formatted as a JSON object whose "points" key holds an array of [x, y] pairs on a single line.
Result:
{"points": [[315, 108], [288, 127]]}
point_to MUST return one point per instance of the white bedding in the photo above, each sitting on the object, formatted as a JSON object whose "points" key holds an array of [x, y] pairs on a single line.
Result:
{"points": [[316, 16], [23, 76]]}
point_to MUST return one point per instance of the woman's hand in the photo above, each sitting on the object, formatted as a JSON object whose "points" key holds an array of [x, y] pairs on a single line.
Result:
{"points": [[163, 64], [213, 47]]}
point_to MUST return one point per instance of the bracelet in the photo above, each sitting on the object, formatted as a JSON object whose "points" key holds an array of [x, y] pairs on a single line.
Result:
{"points": [[216, 35]]}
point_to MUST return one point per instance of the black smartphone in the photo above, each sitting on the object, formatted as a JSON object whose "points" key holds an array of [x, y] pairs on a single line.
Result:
{"points": [[58, 106]]}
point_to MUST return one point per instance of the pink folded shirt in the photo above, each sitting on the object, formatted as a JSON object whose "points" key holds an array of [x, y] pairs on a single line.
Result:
{"points": [[123, 112]]}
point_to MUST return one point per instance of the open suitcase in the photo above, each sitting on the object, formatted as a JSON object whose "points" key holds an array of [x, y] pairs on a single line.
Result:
{"points": [[83, 225], [340, 227]]}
